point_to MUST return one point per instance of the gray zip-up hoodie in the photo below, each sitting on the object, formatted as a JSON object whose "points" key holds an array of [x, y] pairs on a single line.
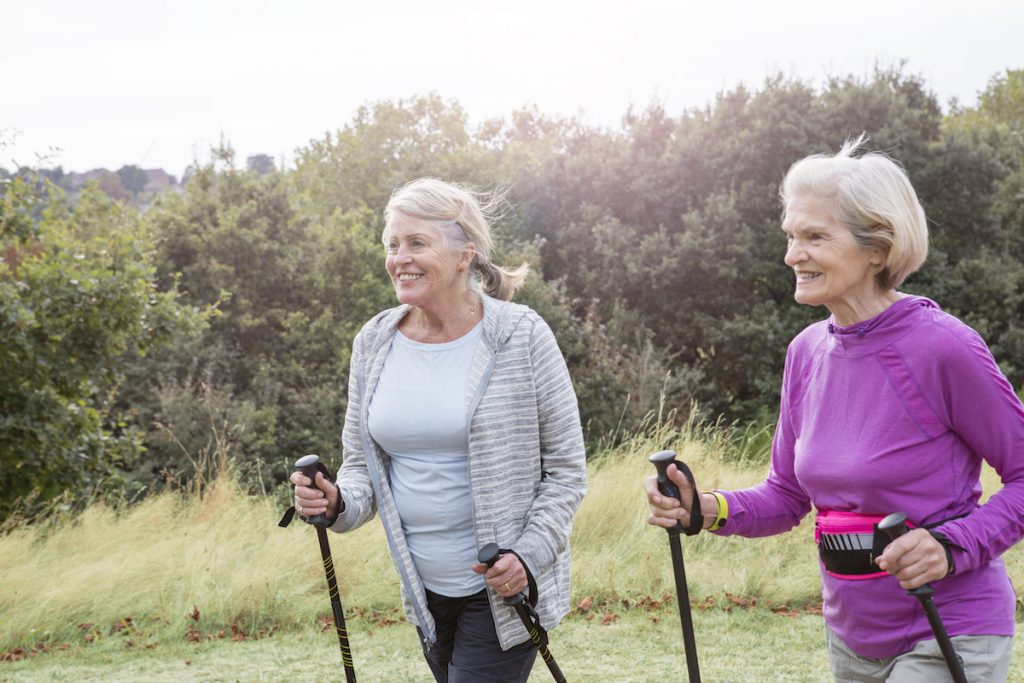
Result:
{"points": [[527, 469]]}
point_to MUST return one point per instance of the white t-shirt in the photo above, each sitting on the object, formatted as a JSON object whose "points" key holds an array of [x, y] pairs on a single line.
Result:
{"points": [[418, 415]]}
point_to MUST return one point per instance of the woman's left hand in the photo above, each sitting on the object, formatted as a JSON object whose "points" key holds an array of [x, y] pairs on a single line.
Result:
{"points": [[507, 576], [915, 558]]}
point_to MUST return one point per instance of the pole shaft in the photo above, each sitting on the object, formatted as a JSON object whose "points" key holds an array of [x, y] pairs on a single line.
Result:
{"points": [[895, 525], [685, 616], [542, 649], [339, 614], [945, 644]]}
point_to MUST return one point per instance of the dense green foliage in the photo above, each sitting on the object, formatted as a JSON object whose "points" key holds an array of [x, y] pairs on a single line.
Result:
{"points": [[656, 250], [77, 297]]}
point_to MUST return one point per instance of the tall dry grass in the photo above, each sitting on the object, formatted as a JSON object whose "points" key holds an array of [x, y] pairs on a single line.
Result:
{"points": [[615, 550], [221, 552]]}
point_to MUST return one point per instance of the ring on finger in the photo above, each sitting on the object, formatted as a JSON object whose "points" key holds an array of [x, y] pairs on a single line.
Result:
{"points": [[507, 587]]}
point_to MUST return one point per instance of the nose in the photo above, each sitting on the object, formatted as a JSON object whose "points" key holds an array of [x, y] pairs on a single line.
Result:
{"points": [[401, 254], [794, 253]]}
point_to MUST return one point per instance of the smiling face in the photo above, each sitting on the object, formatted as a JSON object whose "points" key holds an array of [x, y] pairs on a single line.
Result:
{"points": [[831, 269], [423, 270]]}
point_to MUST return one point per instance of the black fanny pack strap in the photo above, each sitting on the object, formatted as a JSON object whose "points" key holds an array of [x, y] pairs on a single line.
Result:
{"points": [[289, 514], [696, 516]]}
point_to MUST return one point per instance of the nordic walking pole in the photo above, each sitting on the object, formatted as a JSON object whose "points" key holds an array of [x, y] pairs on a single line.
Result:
{"points": [[489, 555], [307, 466], [895, 525], [661, 460]]}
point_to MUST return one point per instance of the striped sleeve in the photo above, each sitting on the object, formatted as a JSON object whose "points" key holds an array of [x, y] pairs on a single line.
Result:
{"points": [[563, 460]]}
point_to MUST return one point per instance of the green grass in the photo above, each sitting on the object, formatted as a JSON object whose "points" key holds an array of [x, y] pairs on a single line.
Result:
{"points": [[135, 592], [744, 645], [741, 646]]}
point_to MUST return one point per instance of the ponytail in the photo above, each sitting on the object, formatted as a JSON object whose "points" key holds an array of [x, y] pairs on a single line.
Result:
{"points": [[500, 283]]}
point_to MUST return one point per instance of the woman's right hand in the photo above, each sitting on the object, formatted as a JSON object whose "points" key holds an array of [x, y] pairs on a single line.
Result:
{"points": [[310, 501], [667, 510]]}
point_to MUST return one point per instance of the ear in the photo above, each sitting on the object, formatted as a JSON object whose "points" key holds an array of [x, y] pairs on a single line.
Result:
{"points": [[468, 254]]}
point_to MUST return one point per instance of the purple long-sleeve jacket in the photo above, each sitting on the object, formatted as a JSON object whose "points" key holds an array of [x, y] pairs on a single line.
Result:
{"points": [[898, 413]]}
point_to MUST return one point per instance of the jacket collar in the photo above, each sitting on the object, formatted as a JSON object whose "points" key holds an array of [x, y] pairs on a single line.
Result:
{"points": [[500, 320]]}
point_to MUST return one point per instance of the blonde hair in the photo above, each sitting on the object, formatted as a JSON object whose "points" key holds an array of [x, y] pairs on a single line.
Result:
{"points": [[462, 216], [871, 195]]}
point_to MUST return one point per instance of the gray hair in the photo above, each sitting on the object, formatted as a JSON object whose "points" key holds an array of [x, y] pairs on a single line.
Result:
{"points": [[462, 216], [870, 195]]}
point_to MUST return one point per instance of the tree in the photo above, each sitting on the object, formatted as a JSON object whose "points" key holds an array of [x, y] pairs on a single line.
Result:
{"points": [[133, 179], [260, 164], [291, 289], [77, 297]]}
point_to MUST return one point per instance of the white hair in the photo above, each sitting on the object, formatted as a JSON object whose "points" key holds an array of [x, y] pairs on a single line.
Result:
{"points": [[462, 216], [870, 195]]}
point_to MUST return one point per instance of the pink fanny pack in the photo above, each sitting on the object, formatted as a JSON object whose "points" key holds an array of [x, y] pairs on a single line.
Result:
{"points": [[848, 543]]}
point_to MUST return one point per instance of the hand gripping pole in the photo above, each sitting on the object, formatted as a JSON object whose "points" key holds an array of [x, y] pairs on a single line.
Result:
{"points": [[661, 460], [307, 465], [895, 525], [488, 555]]}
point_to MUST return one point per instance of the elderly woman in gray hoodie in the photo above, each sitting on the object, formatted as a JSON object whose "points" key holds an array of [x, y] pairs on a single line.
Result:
{"points": [[462, 429]]}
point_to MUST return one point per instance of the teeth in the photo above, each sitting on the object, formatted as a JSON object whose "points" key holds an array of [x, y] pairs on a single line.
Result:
{"points": [[806, 277], [406, 277]]}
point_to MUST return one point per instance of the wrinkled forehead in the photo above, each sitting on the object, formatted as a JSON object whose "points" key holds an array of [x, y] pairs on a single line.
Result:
{"points": [[809, 212], [401, 224]]}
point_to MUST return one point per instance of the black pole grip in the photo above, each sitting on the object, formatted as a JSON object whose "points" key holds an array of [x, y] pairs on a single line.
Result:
{"points": [[894, 526], [488, 554], [307, 465], [661, 461]]}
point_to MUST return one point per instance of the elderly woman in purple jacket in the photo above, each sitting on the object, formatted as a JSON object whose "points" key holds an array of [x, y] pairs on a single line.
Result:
{"points": [[888, 405]]}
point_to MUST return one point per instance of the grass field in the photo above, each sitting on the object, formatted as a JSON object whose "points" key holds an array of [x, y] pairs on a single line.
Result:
{"points": [[743, 645], [208, 588]]}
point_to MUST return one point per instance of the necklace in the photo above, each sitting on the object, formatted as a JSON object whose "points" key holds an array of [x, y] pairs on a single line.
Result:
{"points": [[447, 331]]}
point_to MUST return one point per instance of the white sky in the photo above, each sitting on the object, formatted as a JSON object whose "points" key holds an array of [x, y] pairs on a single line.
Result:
{"points": [[154, 83]]}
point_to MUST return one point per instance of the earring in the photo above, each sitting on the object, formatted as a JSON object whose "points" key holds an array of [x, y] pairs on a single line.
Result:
{"points": [[461, 269]]}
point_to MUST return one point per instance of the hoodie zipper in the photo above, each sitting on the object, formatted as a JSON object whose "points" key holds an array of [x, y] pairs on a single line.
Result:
{"points": [[429, 635]]}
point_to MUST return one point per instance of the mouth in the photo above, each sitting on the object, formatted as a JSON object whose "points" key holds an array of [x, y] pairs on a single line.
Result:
{"points": [[804, 277], [409, 277]]}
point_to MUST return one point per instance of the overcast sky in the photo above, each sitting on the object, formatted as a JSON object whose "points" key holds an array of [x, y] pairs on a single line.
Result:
{"points": [[114, 82]]}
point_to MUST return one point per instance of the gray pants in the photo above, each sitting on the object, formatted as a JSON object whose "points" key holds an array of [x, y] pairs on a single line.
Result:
{"points": [[986, 660]]}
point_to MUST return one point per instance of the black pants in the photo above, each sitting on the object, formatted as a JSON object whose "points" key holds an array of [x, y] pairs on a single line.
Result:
{"points": [[467, 649]]}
